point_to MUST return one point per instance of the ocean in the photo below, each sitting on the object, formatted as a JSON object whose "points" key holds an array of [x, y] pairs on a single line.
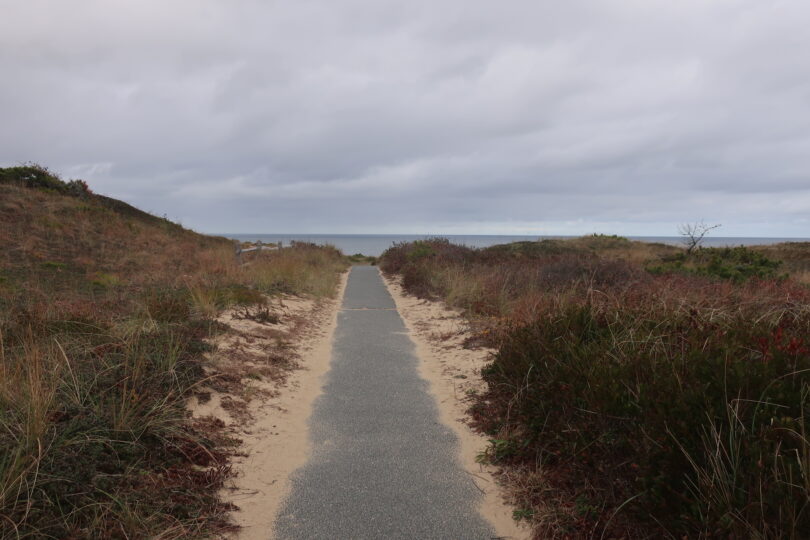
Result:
{"points": [[374, 244]]}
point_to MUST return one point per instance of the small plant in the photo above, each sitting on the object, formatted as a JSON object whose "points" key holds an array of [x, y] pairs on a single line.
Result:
{"points": [[260, 314], [78, 188], [106, 281]]}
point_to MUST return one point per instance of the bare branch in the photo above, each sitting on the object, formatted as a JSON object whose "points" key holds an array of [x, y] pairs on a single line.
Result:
{"points": [[693, 234]]}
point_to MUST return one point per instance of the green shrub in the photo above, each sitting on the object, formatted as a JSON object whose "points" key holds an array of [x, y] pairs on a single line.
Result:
{"points": [[735, 264], [38, 177]]}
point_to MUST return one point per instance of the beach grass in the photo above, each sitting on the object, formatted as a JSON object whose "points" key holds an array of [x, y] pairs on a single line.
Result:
{"points": [[105, 318]]}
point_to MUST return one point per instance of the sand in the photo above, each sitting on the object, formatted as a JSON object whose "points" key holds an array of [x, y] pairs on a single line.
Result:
{"points": [[451, 370], [270, 415]]}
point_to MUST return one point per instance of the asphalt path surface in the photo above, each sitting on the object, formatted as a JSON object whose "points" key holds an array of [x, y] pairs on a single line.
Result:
{"points": [[382, 467]]}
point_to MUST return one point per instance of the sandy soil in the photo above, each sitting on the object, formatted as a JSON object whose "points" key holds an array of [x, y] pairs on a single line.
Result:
{"points": [[453, 371], [268, 376]]}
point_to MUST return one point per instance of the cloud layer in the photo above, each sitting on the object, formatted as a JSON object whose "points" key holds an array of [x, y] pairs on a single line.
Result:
{"points": [[526, 117]]}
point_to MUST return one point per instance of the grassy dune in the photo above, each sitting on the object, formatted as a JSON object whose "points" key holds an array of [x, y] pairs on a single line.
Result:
{"points": [[103, 314], [638, 392]]}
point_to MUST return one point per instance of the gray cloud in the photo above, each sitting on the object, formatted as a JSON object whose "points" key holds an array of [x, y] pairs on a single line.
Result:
{"points": [[624, 116]]}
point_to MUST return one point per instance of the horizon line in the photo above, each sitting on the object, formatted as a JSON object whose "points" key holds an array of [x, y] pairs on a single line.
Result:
{"points": [[505, 235]]}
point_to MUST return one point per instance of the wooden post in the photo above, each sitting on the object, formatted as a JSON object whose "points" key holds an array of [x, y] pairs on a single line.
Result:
{"points": [[237, 245], [258, 245]]}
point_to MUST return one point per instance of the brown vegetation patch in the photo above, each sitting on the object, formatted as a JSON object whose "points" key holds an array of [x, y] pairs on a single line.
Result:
{"points": [[636, 395]]}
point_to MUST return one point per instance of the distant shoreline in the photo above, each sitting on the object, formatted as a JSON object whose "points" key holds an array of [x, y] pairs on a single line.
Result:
{"points": [[374, 244]]}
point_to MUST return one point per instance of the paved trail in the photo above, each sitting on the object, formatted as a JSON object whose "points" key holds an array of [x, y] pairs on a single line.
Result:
{"points": [[382, 467]]}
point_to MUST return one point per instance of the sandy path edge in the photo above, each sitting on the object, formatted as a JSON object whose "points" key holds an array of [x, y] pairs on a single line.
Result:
{"points": [[277, 442], [280, 455], [438, 334]]}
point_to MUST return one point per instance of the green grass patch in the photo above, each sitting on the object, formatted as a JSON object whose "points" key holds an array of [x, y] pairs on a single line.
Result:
{"points": [[735, 264]]}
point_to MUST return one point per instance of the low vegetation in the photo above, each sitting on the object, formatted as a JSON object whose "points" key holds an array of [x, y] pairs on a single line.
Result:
{"points": [[637, 391], [104, 315], [737, 264], [359, 258]]}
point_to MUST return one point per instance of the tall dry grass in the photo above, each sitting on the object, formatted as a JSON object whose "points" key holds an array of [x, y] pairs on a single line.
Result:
{"points": [[27, 396], [104, 315]]}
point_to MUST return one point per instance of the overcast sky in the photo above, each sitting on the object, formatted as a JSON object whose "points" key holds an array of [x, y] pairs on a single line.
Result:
{"points": [[420, 116]]}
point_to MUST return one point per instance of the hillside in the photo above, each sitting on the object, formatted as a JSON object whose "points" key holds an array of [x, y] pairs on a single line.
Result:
{"points": [[61, 230], [106, 313]]}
